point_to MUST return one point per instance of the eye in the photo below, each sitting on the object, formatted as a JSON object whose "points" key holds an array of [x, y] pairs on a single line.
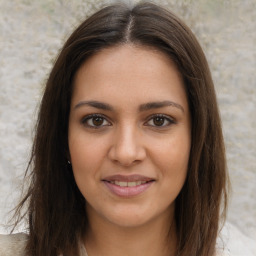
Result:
{"points": [[95, 121], [160, 121]]}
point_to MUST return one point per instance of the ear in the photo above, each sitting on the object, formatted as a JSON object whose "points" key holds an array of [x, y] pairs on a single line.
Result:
{"points": [[67, 154]]}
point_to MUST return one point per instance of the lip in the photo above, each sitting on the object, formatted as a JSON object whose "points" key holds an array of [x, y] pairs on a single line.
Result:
{"points": [[128, 178], [128, 191]]}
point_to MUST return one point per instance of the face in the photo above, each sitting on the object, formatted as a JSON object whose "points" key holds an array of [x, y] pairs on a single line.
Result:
{"points": [[129, 135]]}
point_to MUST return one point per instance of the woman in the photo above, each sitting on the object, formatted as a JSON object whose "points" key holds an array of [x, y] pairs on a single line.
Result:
{"points": [[128, 157]]}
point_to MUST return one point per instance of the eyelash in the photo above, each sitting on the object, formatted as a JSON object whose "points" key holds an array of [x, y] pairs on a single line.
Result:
{"points": [[167, 119], [88, 118]]}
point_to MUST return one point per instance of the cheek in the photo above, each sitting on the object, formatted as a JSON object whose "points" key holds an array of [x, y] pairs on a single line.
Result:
{"points": [[174, 152], [83, 160], [172, 158], [173, 166], [86, 153]]}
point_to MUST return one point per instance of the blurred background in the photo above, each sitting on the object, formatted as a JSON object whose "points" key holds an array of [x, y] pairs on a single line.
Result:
{"points": [[32, 32]]}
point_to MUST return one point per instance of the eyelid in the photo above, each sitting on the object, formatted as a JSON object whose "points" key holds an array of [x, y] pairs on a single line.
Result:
{"points": [[170, 119], [84, 120], [90, 116]]}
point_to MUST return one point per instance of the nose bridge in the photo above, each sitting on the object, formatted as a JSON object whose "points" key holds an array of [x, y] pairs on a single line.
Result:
{"points": [[127, 147]]}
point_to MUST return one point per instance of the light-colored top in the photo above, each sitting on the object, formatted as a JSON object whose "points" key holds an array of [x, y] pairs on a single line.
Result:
{"points": [[14, 245]]}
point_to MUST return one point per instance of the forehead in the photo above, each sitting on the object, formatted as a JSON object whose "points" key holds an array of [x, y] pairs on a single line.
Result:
{"points": [[127, 74]]}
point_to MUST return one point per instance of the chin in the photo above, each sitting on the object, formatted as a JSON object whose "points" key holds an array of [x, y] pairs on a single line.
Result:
{"points": [[131, 218], [129, 221]]}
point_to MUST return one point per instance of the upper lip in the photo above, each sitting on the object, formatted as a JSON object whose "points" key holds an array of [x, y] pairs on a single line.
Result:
{"points": [[127, 178]]}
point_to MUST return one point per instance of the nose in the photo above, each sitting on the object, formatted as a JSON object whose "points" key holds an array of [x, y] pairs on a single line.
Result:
{"points": [[127, 147]]}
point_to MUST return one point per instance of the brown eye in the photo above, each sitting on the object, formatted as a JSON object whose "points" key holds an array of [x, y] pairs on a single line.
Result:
{"points": [[95, 121], [160, 121]]}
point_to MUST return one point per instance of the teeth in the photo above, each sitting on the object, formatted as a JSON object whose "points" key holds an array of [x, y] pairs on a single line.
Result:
{"points": [[127, 184], [122, 184], [132, 184]]}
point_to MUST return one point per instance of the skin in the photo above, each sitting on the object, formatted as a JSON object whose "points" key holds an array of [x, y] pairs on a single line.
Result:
{"points": [[129, 139]]}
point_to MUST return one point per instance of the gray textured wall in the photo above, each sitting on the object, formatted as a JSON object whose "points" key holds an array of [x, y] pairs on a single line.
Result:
{"points": [[31, 32]]}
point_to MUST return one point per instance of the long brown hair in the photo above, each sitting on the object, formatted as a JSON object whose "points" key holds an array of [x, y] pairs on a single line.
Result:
{"points": [[56, 208]]}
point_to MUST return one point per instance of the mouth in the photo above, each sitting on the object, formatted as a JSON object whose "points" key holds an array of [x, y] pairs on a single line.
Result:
{"points": [[128, 186], [128, 183], [128, 178]]}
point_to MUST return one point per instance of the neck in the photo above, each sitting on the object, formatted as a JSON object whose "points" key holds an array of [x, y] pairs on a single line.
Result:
{"points": [[154, 238]]}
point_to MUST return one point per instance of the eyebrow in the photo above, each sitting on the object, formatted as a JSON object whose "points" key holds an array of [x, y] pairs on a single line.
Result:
{"points": [[143, 107], [95, 104], [160, 104]]}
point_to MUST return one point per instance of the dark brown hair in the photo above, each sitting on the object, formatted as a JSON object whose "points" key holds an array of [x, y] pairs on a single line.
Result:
{"points": [[56, 208]]}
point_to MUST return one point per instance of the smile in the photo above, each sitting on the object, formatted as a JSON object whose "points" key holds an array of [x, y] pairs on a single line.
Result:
{"points": [[128, 184]]}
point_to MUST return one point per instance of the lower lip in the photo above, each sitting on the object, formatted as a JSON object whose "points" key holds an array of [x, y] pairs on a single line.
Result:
{"points": [[127, 191]]}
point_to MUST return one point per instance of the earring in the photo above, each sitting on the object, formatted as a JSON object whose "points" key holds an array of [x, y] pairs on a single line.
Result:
{"points": [[69, 162]]}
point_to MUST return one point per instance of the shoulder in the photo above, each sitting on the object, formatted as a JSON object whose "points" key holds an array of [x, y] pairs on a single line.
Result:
{"points": [[232, 241], [13, 244], [222, 253]]}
